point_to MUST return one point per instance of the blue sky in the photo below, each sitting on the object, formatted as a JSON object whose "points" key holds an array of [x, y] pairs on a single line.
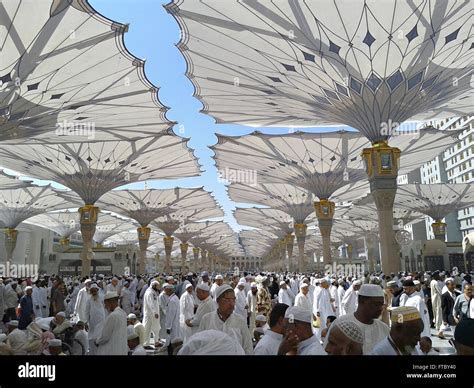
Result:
{"points": [[152, 35]]}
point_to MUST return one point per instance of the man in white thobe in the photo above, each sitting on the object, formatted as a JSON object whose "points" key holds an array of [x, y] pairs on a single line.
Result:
{"points": [[349, 301], [283, 295], [252, 303], [294, 285], [404, 333], [218, 281], [299, 337], [126, 298], [302, 299], [151, 312], [137, 326], [186, 311], [37, 299], [271, 340], [436, 301], [339, 296], [95, 317], [322, 306], [205, 306], [81, 301], [133, 290], [369, 307], [163, 302], [224, 319], [172, 317], [113, 339], [412, 298], [241, 306]]}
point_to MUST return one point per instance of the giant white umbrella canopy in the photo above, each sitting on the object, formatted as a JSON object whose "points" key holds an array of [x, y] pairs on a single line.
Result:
{"points": [[435, 200], [214, 228], [185, 233], [17, 205], [109, 225], [206, 209], [146, 205], [272, 220], [369, 65], [8, 181], [293, 200], [66, 75], [64, 223], [329, 164], [313, 63], [94, 168]]}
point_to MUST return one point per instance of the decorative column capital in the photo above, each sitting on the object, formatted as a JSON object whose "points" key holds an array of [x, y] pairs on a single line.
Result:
{"points": [[439, 230], [300, 231], [324, 209], [184, 247], [143, 233], [381, 160], [88, 214], [11, 234]]}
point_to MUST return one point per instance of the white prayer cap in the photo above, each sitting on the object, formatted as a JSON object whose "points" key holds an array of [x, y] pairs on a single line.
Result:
{"points": [[114, 278], [44, 323], [168, 278], [404, 314], [131, 316], [28, 288], [242, 280], [94, 286], [221, 289], [154, 282], [131, 333], [304, 285], [111, 295], [349, 328], [298, 314], [13, 323], [260, 318], [205, 273], [392, 283], [448, 280], [188, 285], [190, 274], [323, 280], [253, 285], [371, 290], [340, 281], [203, 286], [3, 337], [53, 343], [87, 281], [62, 314], [416, 282], [241, 284], [219, 277], [357, 283], [282, 283], [211, 342], [167, 285]]}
